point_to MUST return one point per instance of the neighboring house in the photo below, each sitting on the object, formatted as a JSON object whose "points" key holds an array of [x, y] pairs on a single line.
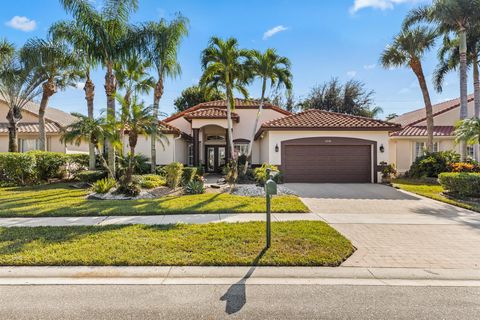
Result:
{"points": [[410, 143], [55, 120], [311, 146]]}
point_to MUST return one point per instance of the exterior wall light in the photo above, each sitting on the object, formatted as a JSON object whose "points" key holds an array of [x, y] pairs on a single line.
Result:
{"points": [[276, 148], [382, 148]]}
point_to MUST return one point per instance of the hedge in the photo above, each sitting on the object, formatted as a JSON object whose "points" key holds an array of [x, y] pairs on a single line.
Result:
{"points": [[174, 174], [17, 168], [188, 174], [462, 184]]}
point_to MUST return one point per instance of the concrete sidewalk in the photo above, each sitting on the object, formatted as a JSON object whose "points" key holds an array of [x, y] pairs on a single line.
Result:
{"points": [[233, 275]]}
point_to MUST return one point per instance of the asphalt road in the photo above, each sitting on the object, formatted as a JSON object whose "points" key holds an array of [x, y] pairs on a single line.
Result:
{"points": [[238, 302]]}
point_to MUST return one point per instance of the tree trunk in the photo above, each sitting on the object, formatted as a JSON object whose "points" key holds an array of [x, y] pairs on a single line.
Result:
{"points": [[230, 106], [157, 95], [132, 141], [257, 119], [110, 90], [12, 132], [49, 89], [463, 86], [89, 96], [476, 94], [416, 66]]}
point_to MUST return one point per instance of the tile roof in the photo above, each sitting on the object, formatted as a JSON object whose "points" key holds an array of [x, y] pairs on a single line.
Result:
{"points": [[168, 128], [210, 113], [418, 115], [319, 119], [239, 103], [26, 127], [438, 131]]}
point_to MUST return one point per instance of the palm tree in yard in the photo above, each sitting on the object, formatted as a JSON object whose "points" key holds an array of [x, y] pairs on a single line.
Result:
{"points": [[19, 85], [268, 67], [451, 16], [408, 49], [224, 67], [57, 65], [112, 37], [163, 40], [468, 131], [7, 49]]}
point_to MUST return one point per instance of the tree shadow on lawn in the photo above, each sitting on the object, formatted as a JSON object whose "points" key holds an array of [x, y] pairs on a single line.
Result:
{"points": [[236, 296]]}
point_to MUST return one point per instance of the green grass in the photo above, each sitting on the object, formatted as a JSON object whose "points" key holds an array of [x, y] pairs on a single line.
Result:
{"points": [[299, 243], [433, 191], [63, 200]]}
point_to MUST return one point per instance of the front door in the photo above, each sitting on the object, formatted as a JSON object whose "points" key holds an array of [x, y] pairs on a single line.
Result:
{"points": [[214, 158]]}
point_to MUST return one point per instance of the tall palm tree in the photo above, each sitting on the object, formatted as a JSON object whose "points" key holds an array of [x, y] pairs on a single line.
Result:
{"points": [[448, 16], [57, 65], [267, 66], [224, 67], [468, 131], [7, 49], [407, 49], [163, 40], [19, 85], [113, 41]]}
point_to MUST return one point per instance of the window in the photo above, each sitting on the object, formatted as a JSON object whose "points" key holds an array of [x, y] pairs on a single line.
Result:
{"points": [[241, 148], [471, 152], [25, 145], [190, 154], [215, 138], [421, 148]]}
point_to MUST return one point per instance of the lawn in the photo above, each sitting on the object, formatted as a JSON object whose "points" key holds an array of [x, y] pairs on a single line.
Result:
{"points": [[433, 191], [299, 243], [63, 200]]}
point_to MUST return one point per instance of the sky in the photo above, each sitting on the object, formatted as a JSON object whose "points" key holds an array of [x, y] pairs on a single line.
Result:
{"points": [[322, 38]]}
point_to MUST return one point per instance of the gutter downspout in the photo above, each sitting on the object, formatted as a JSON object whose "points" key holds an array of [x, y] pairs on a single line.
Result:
{"points": [[174, 145]]}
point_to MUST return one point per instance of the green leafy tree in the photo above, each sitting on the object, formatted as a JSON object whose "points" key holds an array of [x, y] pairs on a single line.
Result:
{"points": [[408, 49], [56, 64], [194, 95]]}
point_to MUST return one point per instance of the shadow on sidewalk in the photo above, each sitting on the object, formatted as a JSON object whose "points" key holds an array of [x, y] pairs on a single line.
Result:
{"points": [[236, 296]]}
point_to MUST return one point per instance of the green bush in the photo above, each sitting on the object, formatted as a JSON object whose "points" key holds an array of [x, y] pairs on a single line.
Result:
{"points": [[261, 176], [195, 187], [174, 174], [91, 176], [432, 164], [141, 164], [151, 181], [463, 184], [104, 185], [17, 168], [161, 171], [79, 160], [188, 174], [131, 189], [200, 170], [49, 165]]}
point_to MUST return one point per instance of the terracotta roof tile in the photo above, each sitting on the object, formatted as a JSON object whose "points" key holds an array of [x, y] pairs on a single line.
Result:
{"points": [[438, 131], [210, 113], [24, 127]]}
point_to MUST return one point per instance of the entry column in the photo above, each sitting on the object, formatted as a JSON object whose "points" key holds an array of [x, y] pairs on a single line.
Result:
{"points": [[196, 147]]}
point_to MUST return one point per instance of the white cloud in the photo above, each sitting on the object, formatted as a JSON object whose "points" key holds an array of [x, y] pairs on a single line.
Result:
{"points": [[377, 4], [351, 74], [369, 66], [22, 23], [274, 31]]}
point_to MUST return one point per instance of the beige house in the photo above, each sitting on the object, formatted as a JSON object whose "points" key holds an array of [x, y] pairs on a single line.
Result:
{"points": [[409, 143], [55, 119]]}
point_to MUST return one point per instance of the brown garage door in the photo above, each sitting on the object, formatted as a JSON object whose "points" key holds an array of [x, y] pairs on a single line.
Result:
{"points": [[327, 163]]}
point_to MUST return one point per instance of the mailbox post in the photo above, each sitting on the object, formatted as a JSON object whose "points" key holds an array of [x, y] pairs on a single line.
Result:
{"points": [[270, 189]]}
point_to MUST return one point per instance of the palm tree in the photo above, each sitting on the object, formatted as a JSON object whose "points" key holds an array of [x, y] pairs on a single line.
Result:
{"points": [[161, 48], [139, 121], [456, 16], [224, 67], [113, 41], [408, 49], [94, 131], [7, 49], [267, 66], [468, 131], [54, 62], [19, 85]]}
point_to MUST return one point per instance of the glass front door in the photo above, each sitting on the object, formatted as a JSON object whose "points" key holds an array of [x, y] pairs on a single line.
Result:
{"points": [[215, 158]]}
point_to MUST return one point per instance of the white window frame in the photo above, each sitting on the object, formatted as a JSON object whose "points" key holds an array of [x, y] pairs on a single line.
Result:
{"points": [[420, 147], [237, 147], [190, 154], [21, 144]]}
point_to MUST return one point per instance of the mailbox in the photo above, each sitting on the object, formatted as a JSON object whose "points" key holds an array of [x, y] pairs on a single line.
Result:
{"points": [[270, 187]]}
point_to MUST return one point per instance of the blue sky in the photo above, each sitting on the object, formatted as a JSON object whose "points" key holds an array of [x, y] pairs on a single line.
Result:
{"points": [[323, 39]]}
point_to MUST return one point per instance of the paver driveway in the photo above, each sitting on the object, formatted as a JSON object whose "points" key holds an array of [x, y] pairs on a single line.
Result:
{"points": [[392, 228]]}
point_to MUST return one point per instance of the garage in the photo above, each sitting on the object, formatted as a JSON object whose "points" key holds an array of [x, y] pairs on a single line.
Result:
{"points": [[323, 160]]}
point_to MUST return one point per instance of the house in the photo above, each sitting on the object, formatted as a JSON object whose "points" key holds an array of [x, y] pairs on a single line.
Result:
{"points": [[55, 120], [409, 143], [311, 146]]}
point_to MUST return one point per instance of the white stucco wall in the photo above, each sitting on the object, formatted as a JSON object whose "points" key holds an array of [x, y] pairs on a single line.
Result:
{"points": [[172, 150]]}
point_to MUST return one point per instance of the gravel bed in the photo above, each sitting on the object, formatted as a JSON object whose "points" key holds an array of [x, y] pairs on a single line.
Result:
{"points": [[111, 195], [253, 190]]}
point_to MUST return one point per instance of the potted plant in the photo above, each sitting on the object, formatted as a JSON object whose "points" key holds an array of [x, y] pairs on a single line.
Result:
{"points": [[388, 172]]}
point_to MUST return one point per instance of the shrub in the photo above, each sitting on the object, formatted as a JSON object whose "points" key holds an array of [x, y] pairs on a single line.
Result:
{"points": [[174, 174], [462, 184], [196, 186], [17, 168], [131, 189], [261, 176], [151, 181], [188, 174], [76, 162], [200, 170], [49, 165], [388, 170], [141, 164], [231, 172], [104, 185], [91, 176], [432, 164], [161, 171], [464, 167]]}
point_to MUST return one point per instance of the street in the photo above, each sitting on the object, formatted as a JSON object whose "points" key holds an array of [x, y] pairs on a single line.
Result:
{"points": [[238, 302]]}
